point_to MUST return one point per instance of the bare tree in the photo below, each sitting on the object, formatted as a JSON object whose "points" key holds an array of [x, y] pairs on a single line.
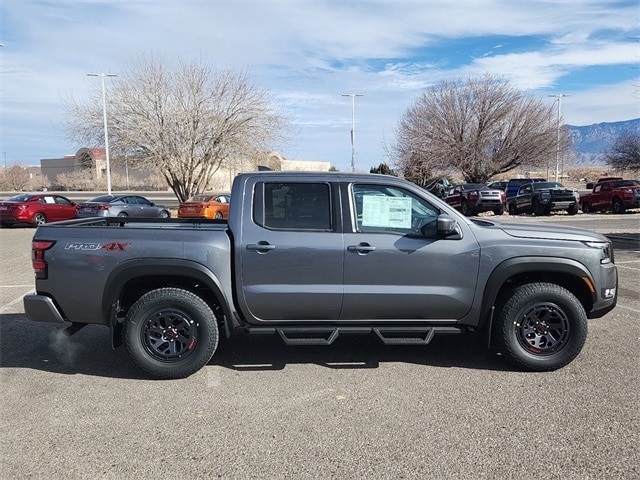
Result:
{"points": [[183, 123], [624, 153], [15, 178], [477, 129]]}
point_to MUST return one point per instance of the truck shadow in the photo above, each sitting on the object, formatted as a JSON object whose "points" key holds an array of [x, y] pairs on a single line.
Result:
{"points": [[25, 344], [248, 353]]}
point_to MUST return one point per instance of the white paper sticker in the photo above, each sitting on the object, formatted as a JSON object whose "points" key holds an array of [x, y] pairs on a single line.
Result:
{"points": [[387, 212]]}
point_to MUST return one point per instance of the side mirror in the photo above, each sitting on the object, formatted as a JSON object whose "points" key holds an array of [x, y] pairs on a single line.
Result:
{"points": [[442, 226], [590, 186]]}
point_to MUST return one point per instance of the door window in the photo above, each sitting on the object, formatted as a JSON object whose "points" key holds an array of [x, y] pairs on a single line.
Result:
{"points": [[381, 208]]}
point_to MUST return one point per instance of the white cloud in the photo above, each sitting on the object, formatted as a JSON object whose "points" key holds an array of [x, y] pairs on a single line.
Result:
{"points": [[310, 52]]}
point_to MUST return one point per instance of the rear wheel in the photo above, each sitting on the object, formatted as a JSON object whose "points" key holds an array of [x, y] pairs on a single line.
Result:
{"points": [[171, 333], [540, 326], [39, 219], [164, 214], [218, 215], [499, 210], [617, 206], [122, 215]]}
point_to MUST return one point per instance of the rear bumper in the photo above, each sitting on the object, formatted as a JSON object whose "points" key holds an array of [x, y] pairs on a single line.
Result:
{"points": [[42, 309]]}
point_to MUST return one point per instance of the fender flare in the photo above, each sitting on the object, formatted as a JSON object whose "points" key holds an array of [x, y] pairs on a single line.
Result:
{"points": [[136, 268], [523, 265]]}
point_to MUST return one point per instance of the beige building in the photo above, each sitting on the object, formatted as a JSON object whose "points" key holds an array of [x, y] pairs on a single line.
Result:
{"points": [[95, 158]]}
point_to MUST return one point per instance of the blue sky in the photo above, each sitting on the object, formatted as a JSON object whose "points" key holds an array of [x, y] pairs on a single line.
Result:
{"points": [[309, 53]]}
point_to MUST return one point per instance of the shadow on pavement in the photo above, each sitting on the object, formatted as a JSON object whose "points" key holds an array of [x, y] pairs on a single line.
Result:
{"points": [[25, 344]]}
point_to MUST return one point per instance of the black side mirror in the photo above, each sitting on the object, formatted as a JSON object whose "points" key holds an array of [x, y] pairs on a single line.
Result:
{"points": [[442, 226]]}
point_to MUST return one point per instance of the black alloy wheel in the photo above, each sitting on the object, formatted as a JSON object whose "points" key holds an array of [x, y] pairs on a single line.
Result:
{"points": [[540, 326], [171, 332]]}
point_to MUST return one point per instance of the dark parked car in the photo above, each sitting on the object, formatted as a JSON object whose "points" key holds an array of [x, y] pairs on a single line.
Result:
{"points": [[514, 185], [473, 198], [540, 198], [36, 209], [121, 206]]}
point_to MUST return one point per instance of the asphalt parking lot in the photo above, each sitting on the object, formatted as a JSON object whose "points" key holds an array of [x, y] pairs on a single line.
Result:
{"points": [[72, 408]]}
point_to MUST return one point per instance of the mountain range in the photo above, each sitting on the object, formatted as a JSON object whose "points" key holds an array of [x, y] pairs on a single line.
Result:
{"points": [[591, 141]]}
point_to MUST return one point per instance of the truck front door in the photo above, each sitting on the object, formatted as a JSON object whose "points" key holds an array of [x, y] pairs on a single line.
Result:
{"points": [[393, 271], [291, 253]]}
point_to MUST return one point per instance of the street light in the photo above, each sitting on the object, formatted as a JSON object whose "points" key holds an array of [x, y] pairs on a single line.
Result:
{"points": [[559, 97], [104, 117], [353, 127]]}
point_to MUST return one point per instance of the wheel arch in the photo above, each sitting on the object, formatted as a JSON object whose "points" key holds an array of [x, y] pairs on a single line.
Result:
{"points": [[130, 280], [567, 273]]}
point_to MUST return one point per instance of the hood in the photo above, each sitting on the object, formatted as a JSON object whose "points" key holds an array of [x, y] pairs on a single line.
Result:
{"points": [[550, 232]]}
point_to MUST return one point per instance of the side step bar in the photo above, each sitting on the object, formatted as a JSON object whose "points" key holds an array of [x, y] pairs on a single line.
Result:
{"points": [[327, 335]]}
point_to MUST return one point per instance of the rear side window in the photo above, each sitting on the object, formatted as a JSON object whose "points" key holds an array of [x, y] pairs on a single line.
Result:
{"points": [[293, 206]]}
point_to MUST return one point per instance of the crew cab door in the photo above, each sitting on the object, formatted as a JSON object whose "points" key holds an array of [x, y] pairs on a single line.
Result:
{"points": [[523, 198], [392, 271], [291, 253]]}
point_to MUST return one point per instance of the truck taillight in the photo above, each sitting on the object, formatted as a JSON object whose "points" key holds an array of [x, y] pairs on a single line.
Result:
{"points": [[38, 247]]}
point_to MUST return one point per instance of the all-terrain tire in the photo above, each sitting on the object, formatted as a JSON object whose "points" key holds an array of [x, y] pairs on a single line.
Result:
{"points": [[539, 326], [466, 209], [617, 206], [171, 333]]}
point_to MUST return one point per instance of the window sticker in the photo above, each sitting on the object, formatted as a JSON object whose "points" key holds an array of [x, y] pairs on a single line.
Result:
{"points": [[388, 212]]}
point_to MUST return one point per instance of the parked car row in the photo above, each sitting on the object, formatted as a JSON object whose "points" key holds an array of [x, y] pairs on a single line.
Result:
{"points": [[534, 195], [540, 197], [39, 208]]}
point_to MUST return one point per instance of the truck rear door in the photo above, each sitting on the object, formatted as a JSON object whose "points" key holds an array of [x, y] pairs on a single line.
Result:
{"points": [[291, 252]]}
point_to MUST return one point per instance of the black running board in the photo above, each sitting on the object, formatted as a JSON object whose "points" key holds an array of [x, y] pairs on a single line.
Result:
{"points": [[327, 335]]}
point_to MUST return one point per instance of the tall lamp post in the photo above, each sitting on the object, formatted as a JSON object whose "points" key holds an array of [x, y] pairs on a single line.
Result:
{"points": [[353, 127], [104, 118], [559, 97]]}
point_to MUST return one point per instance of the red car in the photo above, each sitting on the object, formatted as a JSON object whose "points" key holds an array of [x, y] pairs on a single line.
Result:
{"points": [[473, 198], [36, 209]]}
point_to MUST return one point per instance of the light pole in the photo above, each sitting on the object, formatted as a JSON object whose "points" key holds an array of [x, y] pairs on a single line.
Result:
{"points": [[104, 118], [353, 127], [559, 97]]}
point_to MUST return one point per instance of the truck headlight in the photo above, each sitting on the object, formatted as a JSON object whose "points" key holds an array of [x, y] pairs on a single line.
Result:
{"points": [[605, 248]]}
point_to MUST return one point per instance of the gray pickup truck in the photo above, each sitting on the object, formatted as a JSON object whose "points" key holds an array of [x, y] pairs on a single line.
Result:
{"points": [[311, 256]]}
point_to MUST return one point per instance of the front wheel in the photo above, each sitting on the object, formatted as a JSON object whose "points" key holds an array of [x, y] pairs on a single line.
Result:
{"points": [[617, 206], [171, 333], [513, 210], [466, 209], [540, 327], [538, 209], [586, 208]]}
